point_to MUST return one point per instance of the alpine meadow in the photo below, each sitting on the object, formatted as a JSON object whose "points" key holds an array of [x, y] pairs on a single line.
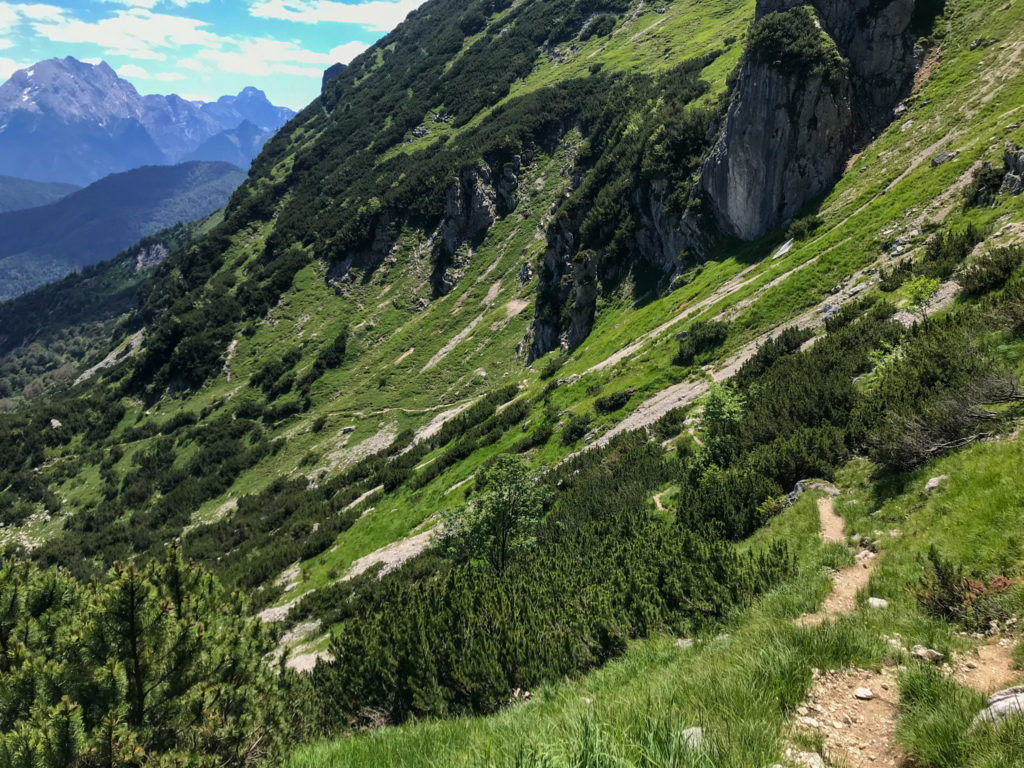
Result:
{"points": [[572, 384]]}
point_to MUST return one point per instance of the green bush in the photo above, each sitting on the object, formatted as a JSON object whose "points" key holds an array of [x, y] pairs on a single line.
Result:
{"points": [[133, 665], [702, 338], [991, 270], [613, 402], [576, 427]]}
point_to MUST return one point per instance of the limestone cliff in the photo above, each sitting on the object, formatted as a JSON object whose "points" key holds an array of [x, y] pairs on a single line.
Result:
{"points": [[816, 83]]}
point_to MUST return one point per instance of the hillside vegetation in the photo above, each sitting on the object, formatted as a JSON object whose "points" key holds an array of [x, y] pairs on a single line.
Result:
{"points": [[17, 194], [442, 397], [45, 243]]}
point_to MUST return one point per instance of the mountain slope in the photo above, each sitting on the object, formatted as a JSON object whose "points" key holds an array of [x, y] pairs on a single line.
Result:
{"points": [[470, 249], [53, 333], [18, 194], [66, 120], [45, 243]]}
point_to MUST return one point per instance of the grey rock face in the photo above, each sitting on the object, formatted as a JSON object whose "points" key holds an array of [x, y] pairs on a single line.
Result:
{"points": [[694, 738], [942, 158], [789, 132], [1013, 160], [785, 142], [927, 654]]}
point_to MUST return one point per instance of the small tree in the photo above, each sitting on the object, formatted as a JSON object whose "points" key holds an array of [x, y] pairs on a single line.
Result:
{"points": [[500, 525], [721, 414]]}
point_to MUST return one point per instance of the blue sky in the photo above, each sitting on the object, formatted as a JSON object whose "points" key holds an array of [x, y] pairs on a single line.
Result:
{"points": [[200, 49]]}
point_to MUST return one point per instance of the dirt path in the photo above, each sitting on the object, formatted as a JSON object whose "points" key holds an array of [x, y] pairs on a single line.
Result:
{"points": [[989, 668], [853, 710], [657, 501], [856, 732], [847, 582], [831, 524]]}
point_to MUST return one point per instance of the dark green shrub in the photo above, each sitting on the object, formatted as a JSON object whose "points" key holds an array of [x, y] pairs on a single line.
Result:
{"points": [[984, 187], [702, 338], [576, 427], [601, 25], [613, 402], [801, 228], [991, 270], [891, 279]]}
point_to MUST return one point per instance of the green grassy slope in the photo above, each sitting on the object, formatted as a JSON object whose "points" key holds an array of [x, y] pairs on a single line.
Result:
{"points": [[413, 355], [387, 382]]}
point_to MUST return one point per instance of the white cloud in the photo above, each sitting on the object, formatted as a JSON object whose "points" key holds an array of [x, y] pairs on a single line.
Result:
{"points": [[133, 70], [264, 57], [345, 53], [379, 15], [180, 48], [135, 33], [9, 66]]}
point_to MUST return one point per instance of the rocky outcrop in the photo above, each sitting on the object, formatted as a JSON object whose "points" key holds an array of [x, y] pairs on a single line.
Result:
{"points": [[333, 71], [480, 195], [1013, 161], [817, 82]]}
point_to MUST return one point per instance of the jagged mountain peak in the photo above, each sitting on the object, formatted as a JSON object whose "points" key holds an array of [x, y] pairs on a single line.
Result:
{"points": [[74, 121], [70, 89]]}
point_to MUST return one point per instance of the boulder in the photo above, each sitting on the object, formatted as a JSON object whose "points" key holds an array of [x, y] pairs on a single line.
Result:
{"points": [[942, 158], [927, 654], [864, 694], [933, 484], [694, 738], [877, 602], [1001, 706]]}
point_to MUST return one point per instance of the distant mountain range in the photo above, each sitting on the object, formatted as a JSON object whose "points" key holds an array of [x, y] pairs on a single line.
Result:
{"points": [[16, 194], [45, 243], [64, 120]]}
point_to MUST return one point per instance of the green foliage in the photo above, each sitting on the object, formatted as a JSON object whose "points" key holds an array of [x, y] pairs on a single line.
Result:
{"points": [[804, 227], [727, 502], [601, 25], [702, 338], [786, 343], [601, 572], [501, 525], [613, 402], [991, 270], [721, 412], [945, 251], [920, 291], [149, 664], [576, 426], [984, 187], [892, 279], [793, 42]]}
